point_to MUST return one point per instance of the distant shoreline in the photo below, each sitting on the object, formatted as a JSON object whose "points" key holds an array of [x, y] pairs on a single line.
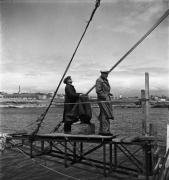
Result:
{"points": [[22, 103]]}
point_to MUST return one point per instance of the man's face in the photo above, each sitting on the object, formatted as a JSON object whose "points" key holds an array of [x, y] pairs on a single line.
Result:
{"points": [[104, 75], [69, 81]]}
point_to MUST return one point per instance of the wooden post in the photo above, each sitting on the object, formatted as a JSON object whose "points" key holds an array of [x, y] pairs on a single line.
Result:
{"points": [[148, 160], [147, 101], [42, 145], [151, 129], [143, 111], [104, 159], [81, 149], [31, 148], [74, 151], [110, 156], [145, 126], [23, 140], [65, 156], [145, 105], [153, 132], [115, 155], [51, 144]]}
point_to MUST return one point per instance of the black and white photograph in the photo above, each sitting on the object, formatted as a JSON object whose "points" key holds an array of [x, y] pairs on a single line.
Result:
{"points": [[84, 89]]}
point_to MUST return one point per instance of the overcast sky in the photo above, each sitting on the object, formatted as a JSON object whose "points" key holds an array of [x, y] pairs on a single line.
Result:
{"points": [[38, 38]]}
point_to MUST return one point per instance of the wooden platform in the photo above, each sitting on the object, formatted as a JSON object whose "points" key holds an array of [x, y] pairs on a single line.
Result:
{"points": [[72, 149], [92, 138]]}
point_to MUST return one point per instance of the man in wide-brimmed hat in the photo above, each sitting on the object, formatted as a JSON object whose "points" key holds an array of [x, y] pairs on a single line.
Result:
{"points": [[103, 95]]}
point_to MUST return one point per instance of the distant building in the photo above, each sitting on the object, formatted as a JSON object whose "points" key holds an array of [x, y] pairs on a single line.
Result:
{"points": [[120, 96], [162, 100], [2, 94], [41, 96], [26, 96], [156, 98], [60, 96], [49, 95]]}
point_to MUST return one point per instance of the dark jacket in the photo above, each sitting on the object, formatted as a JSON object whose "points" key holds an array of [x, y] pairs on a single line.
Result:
{"points": [[70, 97]]}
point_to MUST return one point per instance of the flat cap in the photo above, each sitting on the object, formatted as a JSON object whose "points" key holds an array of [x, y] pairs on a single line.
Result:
{"points": [[104, 71], [66, 79]]}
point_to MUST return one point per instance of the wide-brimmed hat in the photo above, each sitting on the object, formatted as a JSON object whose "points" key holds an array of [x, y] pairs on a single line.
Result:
{"points": [[66, 79]]}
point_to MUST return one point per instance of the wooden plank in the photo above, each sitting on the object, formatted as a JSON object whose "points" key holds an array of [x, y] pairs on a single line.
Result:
{"points": [[74, 135], [118, 139], [130, 139]]}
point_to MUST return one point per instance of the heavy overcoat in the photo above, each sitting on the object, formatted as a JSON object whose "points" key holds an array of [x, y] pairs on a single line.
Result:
{"points": [[102, 89], [70, 97], [103, 94]]}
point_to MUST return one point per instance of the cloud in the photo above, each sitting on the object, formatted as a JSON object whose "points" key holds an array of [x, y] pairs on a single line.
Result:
{"points": [[39, 41], [151, 13], [134, 15], [138, 81], [132, 70], [61, 1], [34, 64], [44, 81]]}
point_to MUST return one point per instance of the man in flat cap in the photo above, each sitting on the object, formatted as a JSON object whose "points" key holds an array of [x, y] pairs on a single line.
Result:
{"points": [[71, 98], [103, 95]]}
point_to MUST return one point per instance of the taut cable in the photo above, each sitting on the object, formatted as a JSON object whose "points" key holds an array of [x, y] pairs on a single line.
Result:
{"points": [[43, 115]]}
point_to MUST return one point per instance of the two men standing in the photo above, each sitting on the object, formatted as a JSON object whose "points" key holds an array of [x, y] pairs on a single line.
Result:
{"points": [[103, 95]]}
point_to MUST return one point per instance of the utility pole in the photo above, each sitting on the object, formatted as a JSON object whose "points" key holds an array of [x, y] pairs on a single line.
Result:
{"points": [[19, 91], [145, 105]]}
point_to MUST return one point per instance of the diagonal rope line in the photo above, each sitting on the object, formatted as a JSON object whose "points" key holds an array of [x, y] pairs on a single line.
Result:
{"points": [[135, 45], [43, 115], [87, 102]]}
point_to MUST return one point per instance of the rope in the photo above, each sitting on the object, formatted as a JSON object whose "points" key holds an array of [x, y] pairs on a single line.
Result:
{"points": [[135, 45], [94, 102], [43, 115]]}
